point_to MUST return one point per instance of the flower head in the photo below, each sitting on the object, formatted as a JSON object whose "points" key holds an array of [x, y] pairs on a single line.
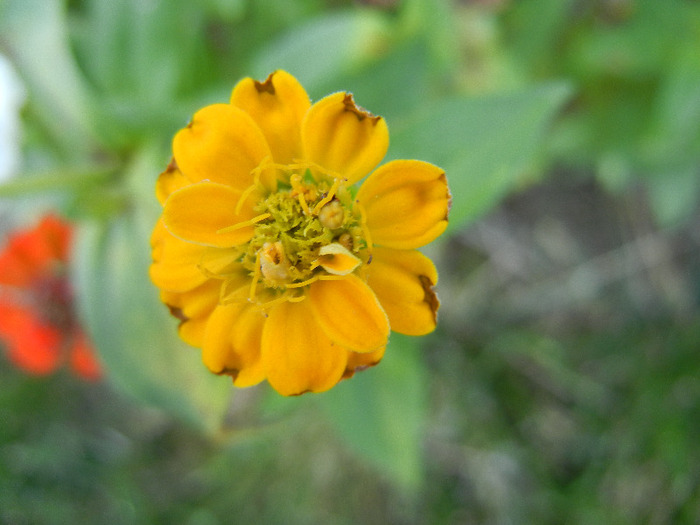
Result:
{"points": [[38, 324], [277, 266]]}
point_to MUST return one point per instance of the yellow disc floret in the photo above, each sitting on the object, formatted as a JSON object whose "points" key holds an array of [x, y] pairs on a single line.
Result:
{"points": [[308, 229]]}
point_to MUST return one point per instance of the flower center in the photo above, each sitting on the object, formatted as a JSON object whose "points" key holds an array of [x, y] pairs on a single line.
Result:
{"points": [[309, 230]]}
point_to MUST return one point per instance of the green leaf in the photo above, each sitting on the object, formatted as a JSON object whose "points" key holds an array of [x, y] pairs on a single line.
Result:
{"points": [[675, 131], [484, 144], [380, 413], [321, 49], [135, 336], [56, 180], [433, 24], [35, 34]]}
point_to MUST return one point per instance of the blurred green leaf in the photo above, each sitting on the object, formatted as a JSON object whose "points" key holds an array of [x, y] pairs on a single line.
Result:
{"points": [[144, 58], [675, 126], [35, 35], [322, 49], [432, 23], [484, 144], [635, 41], [57, 180], [136, 337], [394, 86], [532, 48], [380, 412]]}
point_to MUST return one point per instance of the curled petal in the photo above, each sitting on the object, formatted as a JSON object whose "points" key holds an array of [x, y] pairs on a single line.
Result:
{"points": [[205, 213], [222, 144], [406, 203], [336, 259], [297, 354], [403, 281], [341, 137], [277, 106], [232, 343], [349, 313]]}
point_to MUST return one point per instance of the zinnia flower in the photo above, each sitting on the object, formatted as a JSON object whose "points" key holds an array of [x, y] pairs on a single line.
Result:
{"points": [[276, 265], [38, 324]]}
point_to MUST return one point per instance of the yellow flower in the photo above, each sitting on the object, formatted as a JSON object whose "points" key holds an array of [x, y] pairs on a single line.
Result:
{"points": [[278, 268]]}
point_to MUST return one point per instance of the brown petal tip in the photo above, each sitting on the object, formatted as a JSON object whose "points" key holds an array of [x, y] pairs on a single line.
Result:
{"points": [[430, 297], [360, 112], [265, 87]]}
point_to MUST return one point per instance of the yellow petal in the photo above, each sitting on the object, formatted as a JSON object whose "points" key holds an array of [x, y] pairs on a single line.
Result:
{"points": [[193, 308], [343, 138], [175, 262], [406, 203], [299, 357], [358, 362], [217, 353], [170, 180], [278, 106], [349, 313], [176, 277], [222, 144], [232, 342], [246, 337], [192, 331], [197, 213], [336, 259], [196, 303], [403, 281]]}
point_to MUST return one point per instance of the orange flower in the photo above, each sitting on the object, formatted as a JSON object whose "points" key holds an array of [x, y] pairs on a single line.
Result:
{"points": [[38, 325], [277, 266]]}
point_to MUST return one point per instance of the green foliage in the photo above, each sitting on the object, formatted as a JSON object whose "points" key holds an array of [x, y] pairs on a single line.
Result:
{"points": [[486, 145], [381, 413], [136, 337], [637, 72]]}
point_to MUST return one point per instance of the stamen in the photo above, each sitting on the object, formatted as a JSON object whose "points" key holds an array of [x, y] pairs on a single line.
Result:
{"points": [[304, 283], [245, 195], [265, 163], [295, 181], [328, 198], [244, 224], [328, 173]]}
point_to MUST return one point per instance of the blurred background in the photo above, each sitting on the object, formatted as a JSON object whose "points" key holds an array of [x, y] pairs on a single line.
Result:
{"points": [[563, 382]]}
